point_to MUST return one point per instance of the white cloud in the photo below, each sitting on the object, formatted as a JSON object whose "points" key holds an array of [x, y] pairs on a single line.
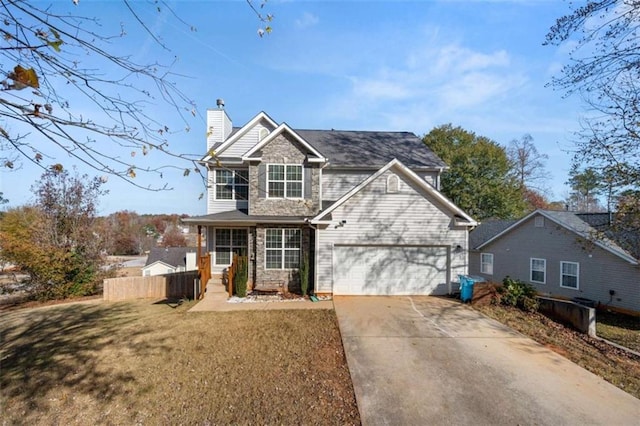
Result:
{"points": [[307, 20], [448, 80]]}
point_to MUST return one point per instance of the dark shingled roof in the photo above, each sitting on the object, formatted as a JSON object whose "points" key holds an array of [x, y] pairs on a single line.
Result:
{"points": [[174, 256], [487, 230], [623, 233], [589, 226], [354, 148], [371, 149]]}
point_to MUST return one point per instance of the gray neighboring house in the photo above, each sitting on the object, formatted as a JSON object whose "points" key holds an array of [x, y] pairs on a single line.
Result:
{"points": [[167, 260], [363, 207], [561, 255]]}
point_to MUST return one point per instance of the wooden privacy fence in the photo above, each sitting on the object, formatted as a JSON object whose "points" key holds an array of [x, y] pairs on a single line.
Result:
{"points": [[168, 286]]}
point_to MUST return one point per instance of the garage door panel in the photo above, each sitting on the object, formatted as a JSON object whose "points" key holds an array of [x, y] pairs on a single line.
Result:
{"points": [[375, 270]]}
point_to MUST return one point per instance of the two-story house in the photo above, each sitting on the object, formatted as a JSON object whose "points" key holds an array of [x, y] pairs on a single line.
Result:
{"points": [[363, 207]]}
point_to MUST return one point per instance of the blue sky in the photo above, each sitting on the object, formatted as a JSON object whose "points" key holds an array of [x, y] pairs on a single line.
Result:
{"points": [[350, 65]]}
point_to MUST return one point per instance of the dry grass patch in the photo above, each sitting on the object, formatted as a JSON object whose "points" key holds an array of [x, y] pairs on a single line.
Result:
{"points": [[619, 328], [138, 362], [614, 365]]}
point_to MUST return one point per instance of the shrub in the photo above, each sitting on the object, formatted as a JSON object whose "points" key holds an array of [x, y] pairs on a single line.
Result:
{"points": [[304, 275], [241, 277], [518, 293]]}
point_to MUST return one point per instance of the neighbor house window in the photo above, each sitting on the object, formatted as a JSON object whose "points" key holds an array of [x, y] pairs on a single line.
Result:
{"points": [[229, 241], [232, 184], [538, 270], [282, 249], [284, 180], [486, 263], [569, 274]]}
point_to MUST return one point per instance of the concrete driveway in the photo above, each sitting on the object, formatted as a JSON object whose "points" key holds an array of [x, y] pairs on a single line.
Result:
{"points": [[427, 361]]}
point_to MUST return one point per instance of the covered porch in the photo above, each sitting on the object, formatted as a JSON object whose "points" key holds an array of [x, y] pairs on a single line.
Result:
{"points": [[272, 245]]}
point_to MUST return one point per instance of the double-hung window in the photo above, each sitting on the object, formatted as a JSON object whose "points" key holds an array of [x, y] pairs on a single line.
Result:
{"points": [[284, 180], [228, 242], [538, 270], [569, 272], [486, 263], [232, 184], [282, 248]]}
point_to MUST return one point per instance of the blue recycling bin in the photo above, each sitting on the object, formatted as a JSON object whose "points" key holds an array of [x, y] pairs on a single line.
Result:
{"points": [[466, 288]]}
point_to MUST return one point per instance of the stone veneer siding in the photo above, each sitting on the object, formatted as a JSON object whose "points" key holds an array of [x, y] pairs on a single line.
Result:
{"points": [[284, 149], [290, 277]]}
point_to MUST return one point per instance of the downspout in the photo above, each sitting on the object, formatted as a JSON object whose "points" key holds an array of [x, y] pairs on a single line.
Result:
{"points": [[315, 257]]}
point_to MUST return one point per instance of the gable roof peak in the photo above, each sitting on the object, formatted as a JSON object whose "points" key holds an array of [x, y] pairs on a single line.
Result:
{"points": [[403, 170], [284, 128]]}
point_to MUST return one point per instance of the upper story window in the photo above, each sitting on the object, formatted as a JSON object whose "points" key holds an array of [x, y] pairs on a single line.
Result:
{"points": [[263, 133], [232, 184], [284, 180]]}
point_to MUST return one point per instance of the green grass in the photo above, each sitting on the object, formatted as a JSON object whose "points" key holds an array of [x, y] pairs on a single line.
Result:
{"points": [[138, 362]]}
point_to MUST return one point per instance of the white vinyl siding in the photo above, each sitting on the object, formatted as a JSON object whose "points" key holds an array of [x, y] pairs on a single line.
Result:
{"points": [[218, 127], [569, 275], [337, 183], [374, 217], [538, 270], [486, 263], [247, 141]]}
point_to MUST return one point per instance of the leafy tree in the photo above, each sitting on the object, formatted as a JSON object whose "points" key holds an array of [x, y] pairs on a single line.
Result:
{"points": [[126, 230], [626, 223], [479, 178], [54, 240], [557, 205], [23, 244], [56, 59], [173, 237], [534, 200], [604, 68], [586, 185]]}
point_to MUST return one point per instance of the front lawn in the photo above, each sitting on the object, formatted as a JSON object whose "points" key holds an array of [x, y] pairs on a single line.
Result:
{"points": [[144, 363]]}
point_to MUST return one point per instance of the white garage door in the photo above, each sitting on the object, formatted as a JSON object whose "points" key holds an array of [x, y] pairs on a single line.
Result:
{"points": [[375, 270]]}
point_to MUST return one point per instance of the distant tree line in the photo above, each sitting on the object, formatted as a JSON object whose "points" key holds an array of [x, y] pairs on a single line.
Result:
{"points": [[61, 243]]}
